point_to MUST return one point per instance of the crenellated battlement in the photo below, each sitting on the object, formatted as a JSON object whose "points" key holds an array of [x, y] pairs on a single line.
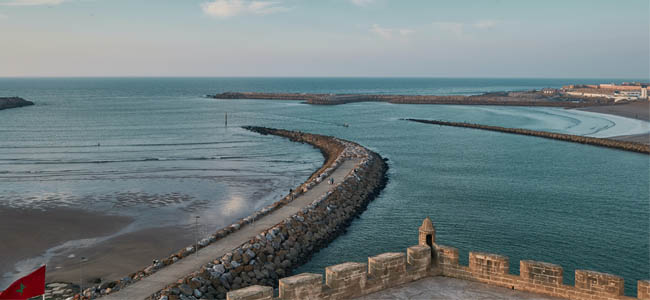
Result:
{"points": [[353, 279], [537, 277]]}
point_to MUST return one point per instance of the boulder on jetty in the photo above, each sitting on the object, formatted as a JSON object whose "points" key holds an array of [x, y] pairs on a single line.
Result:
{"points": [[12, 102]]}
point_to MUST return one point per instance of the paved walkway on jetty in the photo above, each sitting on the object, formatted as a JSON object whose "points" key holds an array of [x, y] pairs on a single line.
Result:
{"points": [[170, 274]]}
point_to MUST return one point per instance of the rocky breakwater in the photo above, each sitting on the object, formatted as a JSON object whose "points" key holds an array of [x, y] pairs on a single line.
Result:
{"points": [[528, 98], [276, 251], [622, 145], [13, 102]]}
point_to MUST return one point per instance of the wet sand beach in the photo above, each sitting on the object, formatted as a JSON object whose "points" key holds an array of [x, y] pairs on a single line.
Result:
{"points": [[636, 138], [635, 110], [30, 231], [119, 256]]}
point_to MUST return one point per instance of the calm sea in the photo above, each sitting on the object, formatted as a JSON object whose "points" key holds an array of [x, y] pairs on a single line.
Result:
{"points": [[156, 149]]}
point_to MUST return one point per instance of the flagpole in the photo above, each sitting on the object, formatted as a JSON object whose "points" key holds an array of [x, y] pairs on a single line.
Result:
{"points": [[44, 286], [197, 236]]}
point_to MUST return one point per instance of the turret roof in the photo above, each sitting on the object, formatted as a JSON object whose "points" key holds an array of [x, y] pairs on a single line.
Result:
{"points": [[427, 225]]}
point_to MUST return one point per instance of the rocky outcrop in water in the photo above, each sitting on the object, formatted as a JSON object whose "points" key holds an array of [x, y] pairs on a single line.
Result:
{"points": [[13, 102], [623, 145]]}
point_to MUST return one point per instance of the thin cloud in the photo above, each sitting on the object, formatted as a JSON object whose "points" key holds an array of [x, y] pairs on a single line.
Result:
{"points": [[30, 2], [462, 30], [380, 31], [486, 24], [388, 33], [231, 8], [2, 17], [455, 28], [362, 3]]}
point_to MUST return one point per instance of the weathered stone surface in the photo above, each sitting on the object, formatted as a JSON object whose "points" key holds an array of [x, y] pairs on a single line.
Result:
{"points": [[185, 289], [350, 276], [386, 263], [488, 263], [254, 292], [541, 272], [302, 286], [643, 289], [599, 282], [419, 256], [446, 255]]}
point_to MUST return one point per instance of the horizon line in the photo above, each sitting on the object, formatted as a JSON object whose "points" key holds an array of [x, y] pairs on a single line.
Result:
{"points": [[318, 77]]}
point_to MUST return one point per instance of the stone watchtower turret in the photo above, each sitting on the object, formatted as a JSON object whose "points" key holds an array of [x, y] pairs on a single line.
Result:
{"points": [[427, 234]]}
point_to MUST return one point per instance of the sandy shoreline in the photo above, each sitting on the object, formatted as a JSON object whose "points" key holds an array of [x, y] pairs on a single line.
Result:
{"points": [[30, 231], [119, 256], [635, 110], [25, 232], [636, 138]]}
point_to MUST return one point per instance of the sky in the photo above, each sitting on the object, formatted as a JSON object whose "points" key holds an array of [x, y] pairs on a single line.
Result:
{"points": [[351, 38]]}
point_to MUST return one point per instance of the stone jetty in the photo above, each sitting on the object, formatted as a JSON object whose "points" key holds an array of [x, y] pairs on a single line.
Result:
{"points": [[622, 145], [13, 102], [531, 98], [270, 243]]}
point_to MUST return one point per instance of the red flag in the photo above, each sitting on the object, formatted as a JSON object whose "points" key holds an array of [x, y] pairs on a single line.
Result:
{"points": [[29, 286]]}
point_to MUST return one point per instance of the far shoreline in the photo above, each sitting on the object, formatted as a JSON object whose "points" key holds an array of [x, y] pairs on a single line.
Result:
{"points": [[639, 110]]}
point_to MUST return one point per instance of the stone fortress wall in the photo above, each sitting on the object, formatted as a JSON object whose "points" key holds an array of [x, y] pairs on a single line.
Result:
{"points": [[276, 251], [351, 279]]}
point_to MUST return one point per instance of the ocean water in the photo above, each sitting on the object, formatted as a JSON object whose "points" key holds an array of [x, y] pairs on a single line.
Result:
{"points": [[164, 147]]}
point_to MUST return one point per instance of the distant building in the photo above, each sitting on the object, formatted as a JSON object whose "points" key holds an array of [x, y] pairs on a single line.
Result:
{"points": [[583, 93], [630, 94], [624, 91], [549, 91], [623, 87]]}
